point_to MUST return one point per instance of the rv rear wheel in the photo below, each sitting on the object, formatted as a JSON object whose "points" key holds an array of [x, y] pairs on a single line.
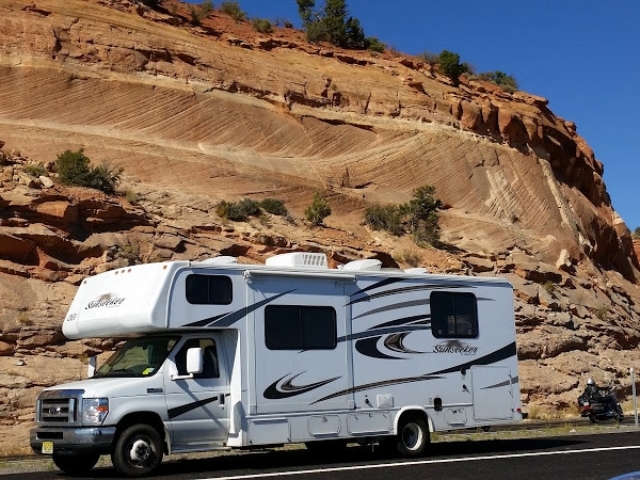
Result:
{"points": [[75, 463], [138, 451], [413, 437]]}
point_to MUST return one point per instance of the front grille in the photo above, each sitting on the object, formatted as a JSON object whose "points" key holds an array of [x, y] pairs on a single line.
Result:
{"points": [[59, 407]]}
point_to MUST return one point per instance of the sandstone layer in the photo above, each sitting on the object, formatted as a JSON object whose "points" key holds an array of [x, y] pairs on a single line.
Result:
{"points": [[196, 115]]}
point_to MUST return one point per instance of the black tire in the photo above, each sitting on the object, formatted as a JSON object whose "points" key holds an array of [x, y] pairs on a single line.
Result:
{"points": [[486, 428], [75, 463], [593, 418], [138, 451], [413, 437]]}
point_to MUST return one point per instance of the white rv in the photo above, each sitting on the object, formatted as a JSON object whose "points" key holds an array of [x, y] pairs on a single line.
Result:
{"points": [[225, 355]]}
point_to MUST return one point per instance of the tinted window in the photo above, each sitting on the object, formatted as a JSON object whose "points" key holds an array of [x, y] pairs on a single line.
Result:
{"points": [[208, 290], [289, 327], [454, 315]]}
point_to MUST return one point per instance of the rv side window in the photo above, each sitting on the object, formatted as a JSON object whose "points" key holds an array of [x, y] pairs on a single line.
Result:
{"points": [[454, 315], [208, 290], [289, 327]]}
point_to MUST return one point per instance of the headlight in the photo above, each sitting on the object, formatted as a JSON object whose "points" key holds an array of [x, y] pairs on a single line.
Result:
{"points": [[94, 410]]}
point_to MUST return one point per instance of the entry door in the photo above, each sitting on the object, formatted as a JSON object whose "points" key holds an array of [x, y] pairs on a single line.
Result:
{"points": [[492, 393], [301, 337], [197, 407]]}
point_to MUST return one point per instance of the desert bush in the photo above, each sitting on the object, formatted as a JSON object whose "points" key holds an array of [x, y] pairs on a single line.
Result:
{"points": [[507, 82], [206, 8], [262, 25], [105, 178], [411, 258], [384, 217], [318, 210], [233, 10], [131, 196], [35, 169], [419, 217], [74, 168], [636, 232], [274, 206], [238, 211], [601, 312], [373, 44], [196, 14], [549, 287]]}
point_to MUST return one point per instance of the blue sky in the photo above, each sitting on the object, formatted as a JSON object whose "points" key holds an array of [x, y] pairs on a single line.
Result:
{"points": [[583, 55]]}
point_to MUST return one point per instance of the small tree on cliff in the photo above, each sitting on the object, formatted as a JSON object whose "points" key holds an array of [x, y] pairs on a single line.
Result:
{"points": [[332, 24], [450, 65], [318, 210]]}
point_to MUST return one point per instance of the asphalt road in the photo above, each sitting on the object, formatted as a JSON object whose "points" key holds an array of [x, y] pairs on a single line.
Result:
{"points": [[574, 457]]}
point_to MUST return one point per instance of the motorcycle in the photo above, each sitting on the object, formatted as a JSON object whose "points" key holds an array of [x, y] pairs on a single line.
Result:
{"points": [[600, 405]]}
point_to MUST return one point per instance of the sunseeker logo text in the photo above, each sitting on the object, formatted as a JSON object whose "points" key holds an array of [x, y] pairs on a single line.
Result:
{"points": [[106, 300], [455, 347]]}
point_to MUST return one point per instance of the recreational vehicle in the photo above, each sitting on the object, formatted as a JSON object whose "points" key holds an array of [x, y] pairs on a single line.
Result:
{"points": [[223, 355]]}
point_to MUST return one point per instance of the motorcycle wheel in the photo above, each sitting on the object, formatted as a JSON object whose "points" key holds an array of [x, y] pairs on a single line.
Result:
{"points": [[593, 418]]}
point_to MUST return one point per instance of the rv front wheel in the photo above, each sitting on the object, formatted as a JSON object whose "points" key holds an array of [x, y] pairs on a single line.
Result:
{"points": [[413, 437], [138, 451]]}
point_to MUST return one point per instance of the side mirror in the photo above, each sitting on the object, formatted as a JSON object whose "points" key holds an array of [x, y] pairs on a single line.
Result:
{"points": [[194, 361], [91, 366]]}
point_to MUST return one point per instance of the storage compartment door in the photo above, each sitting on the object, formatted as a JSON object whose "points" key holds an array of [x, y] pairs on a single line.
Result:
{"points": [[492, 393]]}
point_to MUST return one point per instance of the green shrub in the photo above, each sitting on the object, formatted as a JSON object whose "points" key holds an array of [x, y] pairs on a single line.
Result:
{"points": [[373, 44], [287, 24], [636, 232], [449, 63], [35, 170], [419, 216], [206, 8], [261, 25], [549, 287], [507, 82], [196, 15], [274, 206], [74, 168], [238, 211], [601, 312], [331, 24], [422, 215], [233, 10], [384, 217], [105, 178], [318, 210]]}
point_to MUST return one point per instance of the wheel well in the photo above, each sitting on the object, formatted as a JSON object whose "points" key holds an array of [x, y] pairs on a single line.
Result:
{"points": [[409, 414], [147, 418]]}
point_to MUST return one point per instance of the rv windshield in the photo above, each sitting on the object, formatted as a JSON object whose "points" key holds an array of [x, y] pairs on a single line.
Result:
{"points": [[139, 357]]}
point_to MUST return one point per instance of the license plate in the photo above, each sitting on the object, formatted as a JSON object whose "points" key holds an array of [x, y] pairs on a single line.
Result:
{"points": [[47, 448]]}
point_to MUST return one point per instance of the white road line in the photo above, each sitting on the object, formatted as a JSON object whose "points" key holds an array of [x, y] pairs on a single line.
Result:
{"points": [[422, 462]]}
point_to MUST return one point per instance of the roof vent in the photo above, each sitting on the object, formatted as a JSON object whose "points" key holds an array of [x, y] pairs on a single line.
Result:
{"points": [[221, 259], [369, 264], [298, 260]]}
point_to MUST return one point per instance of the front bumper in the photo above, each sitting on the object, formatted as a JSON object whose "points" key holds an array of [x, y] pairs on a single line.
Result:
{"points": [[73, 439]]}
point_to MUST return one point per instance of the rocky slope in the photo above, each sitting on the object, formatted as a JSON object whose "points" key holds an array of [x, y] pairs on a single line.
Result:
{"points": [[195, 115]]}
